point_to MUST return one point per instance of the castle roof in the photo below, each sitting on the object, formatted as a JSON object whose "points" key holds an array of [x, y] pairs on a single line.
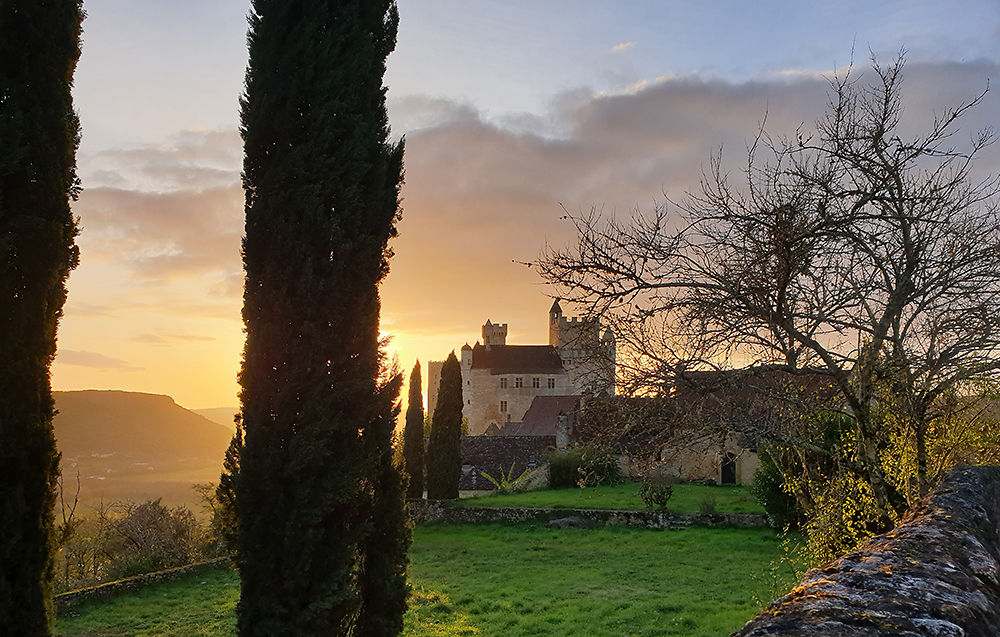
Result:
{"points": [[466, 347], [555, 307], [513, 359], [542, 417]]}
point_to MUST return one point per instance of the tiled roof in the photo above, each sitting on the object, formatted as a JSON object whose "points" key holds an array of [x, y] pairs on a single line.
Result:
{"points": [[513, 359], [542, 416]]}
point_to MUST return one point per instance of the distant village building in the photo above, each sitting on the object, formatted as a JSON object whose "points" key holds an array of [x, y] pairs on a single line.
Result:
{"points": [[500, 382]]}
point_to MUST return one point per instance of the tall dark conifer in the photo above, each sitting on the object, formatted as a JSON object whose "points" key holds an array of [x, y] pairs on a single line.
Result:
{"points": [[413, 437], [382, 582], [322, 199], [39, 135], [444, 455]]}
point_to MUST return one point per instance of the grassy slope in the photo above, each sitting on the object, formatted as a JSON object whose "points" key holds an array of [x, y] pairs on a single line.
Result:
{"points": [[511, 580], [687, 498]]}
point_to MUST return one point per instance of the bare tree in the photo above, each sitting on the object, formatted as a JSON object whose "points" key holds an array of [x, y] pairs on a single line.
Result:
{"points": [[849, 252]]}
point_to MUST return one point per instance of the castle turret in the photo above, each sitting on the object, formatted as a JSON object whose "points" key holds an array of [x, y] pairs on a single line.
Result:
{"points": [[555, 317], [494, 334]]}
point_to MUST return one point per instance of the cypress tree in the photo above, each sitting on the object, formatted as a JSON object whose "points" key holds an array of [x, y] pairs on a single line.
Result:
{"points": [[444, 461], [226, 491], [383, 575], [39, 135], [322, 199], [413, 437]]}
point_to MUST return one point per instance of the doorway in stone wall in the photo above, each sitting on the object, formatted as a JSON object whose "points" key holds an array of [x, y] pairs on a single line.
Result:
{"points": [[728, 468]]}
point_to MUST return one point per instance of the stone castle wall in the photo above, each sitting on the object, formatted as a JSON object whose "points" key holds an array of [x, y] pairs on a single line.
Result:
{"points": [[938, 573]]}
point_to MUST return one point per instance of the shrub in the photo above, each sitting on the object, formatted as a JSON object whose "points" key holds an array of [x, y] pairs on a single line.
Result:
{"points": [[655, 491], [598, 466], [151, 537], [767, 487], [564, 468], [506, 482], [707, 504]]}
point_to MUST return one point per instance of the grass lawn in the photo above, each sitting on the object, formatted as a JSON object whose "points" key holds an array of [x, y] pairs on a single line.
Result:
{"points": [[511, 580], [687, 498]]}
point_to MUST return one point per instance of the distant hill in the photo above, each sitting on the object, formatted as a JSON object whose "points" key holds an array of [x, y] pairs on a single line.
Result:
{"points": [[129, 445], [221, 415]]}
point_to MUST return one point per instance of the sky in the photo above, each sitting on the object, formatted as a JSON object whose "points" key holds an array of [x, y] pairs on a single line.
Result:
{"points": [[515, 113]]}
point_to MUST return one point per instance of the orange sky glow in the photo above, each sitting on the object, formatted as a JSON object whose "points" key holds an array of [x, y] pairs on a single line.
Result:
{"points": [[508, 125]]}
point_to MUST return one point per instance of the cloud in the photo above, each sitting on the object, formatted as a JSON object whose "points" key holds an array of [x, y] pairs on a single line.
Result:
{"points": [[96, 360], [482, 192], [164, 235], [167, 336], [621, 47], [479, 195], [187, 160]]}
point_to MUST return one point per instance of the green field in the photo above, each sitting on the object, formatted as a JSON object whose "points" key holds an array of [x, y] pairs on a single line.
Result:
{"points": [[512, 580], [687, 498]]}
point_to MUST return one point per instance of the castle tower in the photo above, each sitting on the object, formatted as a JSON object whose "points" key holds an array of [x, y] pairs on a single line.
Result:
{"points": [[494, 334], [555, 318]]}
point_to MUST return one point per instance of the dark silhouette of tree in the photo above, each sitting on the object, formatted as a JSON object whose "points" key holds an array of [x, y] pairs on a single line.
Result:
{"points": [[856, 255], [229, 518], [444, 454], [413, 437], [39, 135], [383, 576], [322, 197]]}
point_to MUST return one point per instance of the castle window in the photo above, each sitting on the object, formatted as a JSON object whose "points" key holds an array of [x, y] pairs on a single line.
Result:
{"points": [[536, 382], [503, 406], [552, 383], [503, 383], [518, 382]]}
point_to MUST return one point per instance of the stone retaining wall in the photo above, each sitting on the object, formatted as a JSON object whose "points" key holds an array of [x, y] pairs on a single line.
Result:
{"points": [[72, 598], [444, 511], [938, 573]]}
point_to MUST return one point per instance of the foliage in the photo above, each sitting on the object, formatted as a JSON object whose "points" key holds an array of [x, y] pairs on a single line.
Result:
{"points": [[598, 465], [127, 538], [769, 489], [707, 504], [226, 518], [382, 582], [655, 491], [444, 454], [151, 537], [413, 437], [564, 467], [39, 136], [319, 512], [506, 482], [475, 580], [857, 262]]}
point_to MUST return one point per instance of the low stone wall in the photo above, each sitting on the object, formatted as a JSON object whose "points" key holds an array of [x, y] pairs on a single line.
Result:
{"points": [[938, 573], [108, 589], [444, 511]]}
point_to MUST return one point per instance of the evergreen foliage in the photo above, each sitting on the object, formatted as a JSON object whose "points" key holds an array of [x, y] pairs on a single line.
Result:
{"points": [[316, 495], [39, 135], [444, 454], [383, 576], [226, 492], [413, 437]]}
